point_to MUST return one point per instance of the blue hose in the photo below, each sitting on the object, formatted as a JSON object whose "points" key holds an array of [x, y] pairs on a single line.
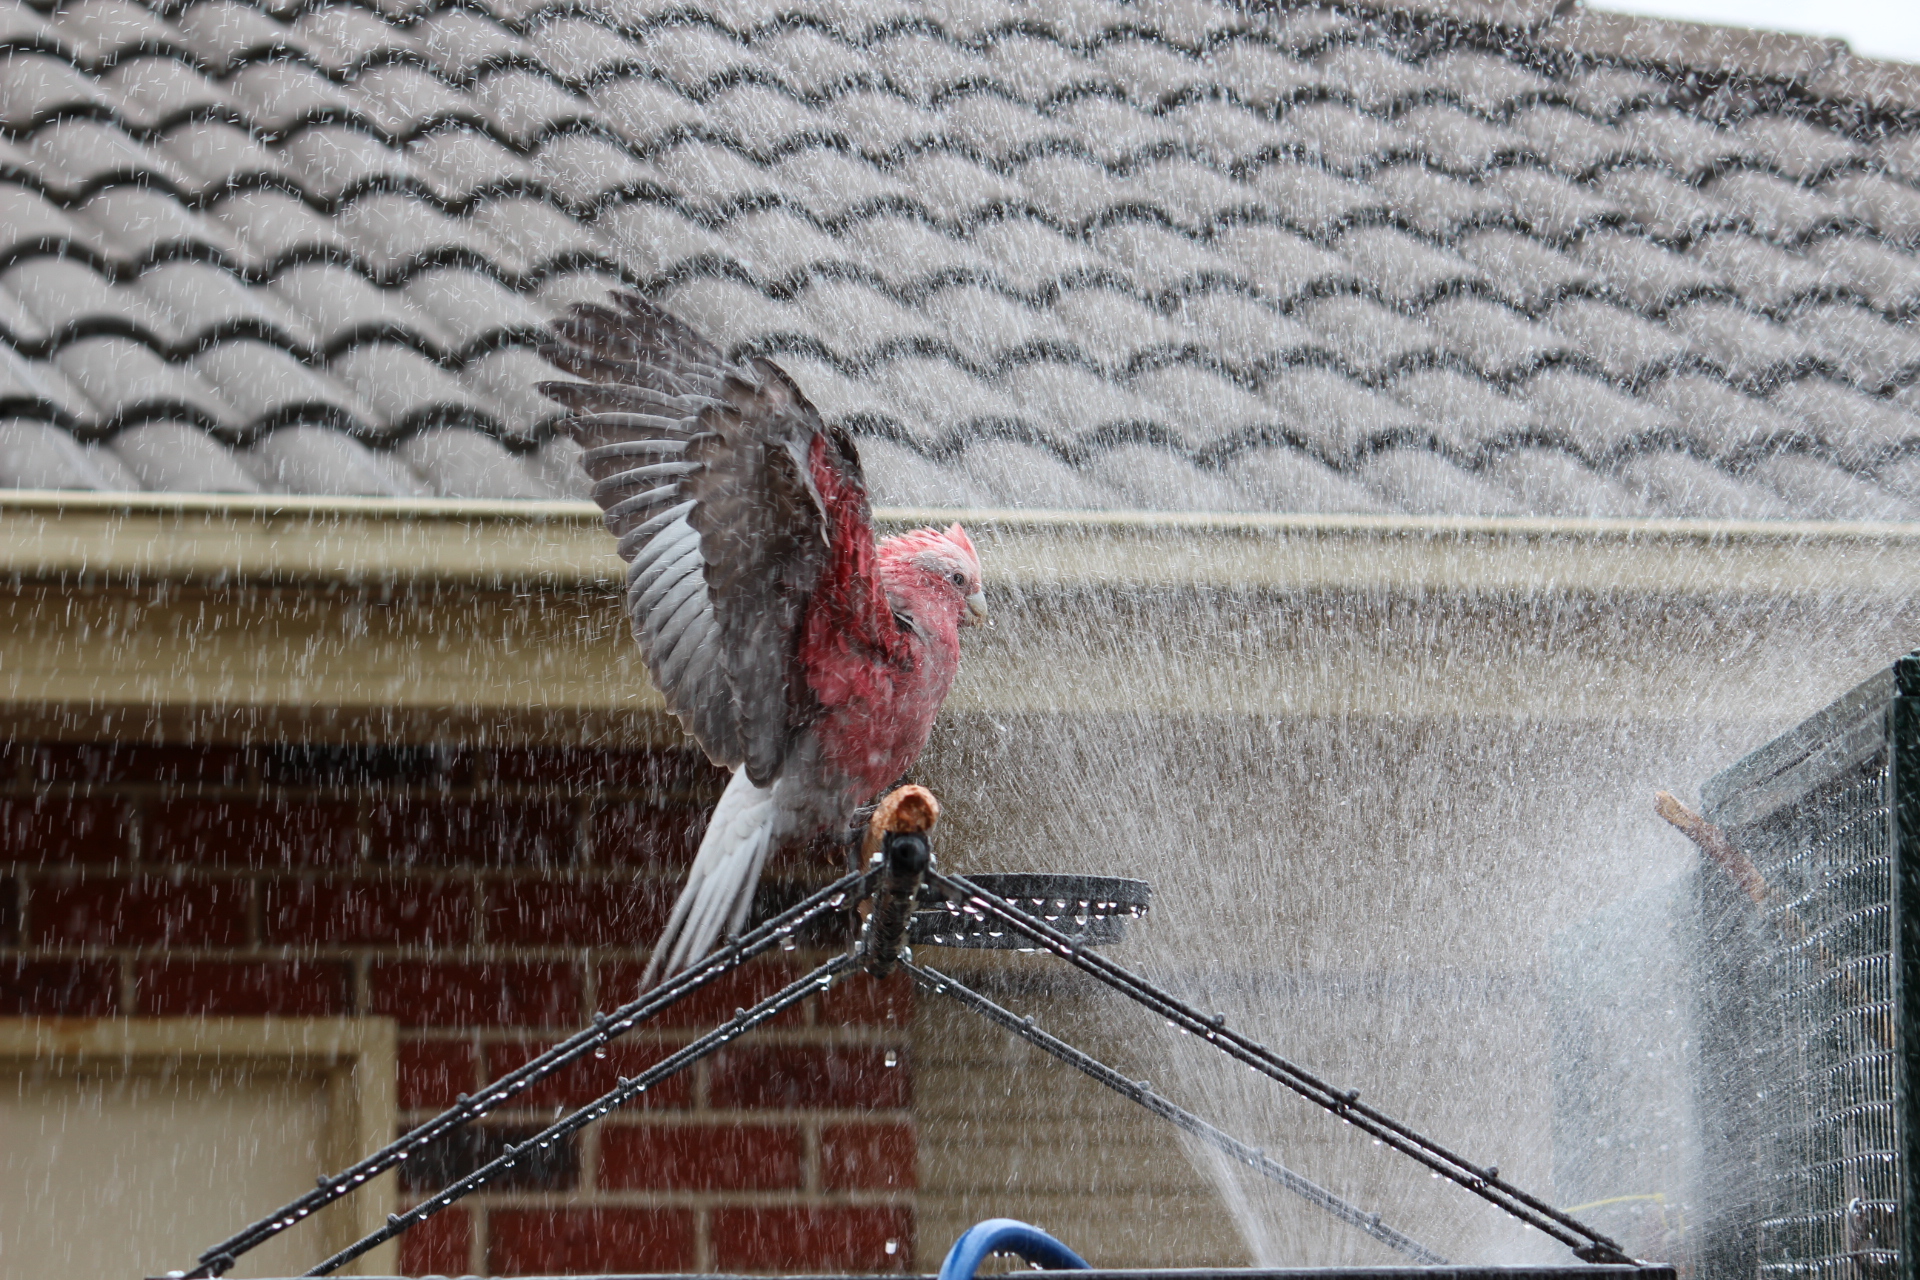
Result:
{"points": [[1004, 1235]]}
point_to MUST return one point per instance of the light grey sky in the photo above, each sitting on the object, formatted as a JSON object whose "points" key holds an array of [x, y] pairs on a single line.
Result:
{"points": [[1877, 28]]}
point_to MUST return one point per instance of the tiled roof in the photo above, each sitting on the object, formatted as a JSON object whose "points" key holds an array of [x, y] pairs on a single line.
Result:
{"points": [[1438, 258]]}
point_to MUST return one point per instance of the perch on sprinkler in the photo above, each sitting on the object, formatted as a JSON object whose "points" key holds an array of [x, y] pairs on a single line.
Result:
{"points": [[798, 651], [898, 844]]}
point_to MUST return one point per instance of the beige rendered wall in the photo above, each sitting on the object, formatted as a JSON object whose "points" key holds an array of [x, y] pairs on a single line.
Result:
{"points": [[129, 1145]]}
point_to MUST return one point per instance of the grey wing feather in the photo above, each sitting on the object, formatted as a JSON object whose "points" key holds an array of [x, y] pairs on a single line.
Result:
{"points": [[763, 535], [701, 466], [648, 379]]}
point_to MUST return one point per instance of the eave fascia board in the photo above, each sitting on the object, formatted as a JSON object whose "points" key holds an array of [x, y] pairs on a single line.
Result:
{"points": [[101, 540]]}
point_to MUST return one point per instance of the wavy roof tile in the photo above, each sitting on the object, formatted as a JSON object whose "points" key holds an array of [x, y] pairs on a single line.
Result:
{"points": [[1396, 255]]}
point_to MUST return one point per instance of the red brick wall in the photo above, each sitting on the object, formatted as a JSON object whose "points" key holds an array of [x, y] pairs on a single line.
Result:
{"points": [[487, 901]]}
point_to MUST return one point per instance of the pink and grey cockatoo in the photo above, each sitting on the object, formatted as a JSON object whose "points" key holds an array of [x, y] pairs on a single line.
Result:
{"points": [[799, 653]]}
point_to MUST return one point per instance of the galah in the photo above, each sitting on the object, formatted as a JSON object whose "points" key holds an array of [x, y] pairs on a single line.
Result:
{"points": [[798, 652]]}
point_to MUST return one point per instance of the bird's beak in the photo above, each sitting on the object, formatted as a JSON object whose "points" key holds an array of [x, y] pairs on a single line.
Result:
{"points": [[977, 609]]}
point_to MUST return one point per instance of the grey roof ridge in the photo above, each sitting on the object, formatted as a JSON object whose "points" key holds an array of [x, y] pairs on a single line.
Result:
{"points": [[1824, 69]]}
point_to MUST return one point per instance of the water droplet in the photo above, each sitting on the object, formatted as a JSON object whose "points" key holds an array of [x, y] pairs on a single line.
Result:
{"points": [[892, 1059], [893, 1247]]}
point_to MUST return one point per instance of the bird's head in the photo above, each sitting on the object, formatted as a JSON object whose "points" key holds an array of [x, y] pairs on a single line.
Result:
{"points": [[936, 565]]}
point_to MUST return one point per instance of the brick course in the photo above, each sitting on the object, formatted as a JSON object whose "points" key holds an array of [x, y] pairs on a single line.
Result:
{"points": [[127, 911], [440, 1246], [488, 901], [582, 1081], [63, 831], [595, 913], [591, 1241], [349, 911], [849, 1238], [242, 989], [786, 1076], [283, 833], [867, 1156], [426, 992], [410, 830], [58, 988], [435, 1072], [717, 1157]]}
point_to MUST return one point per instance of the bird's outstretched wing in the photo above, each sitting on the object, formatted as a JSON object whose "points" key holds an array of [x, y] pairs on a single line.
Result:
{"points": [[743, 519]]}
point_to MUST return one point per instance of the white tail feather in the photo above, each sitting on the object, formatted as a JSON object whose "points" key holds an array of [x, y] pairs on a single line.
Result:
{"points": [[719, 891]]}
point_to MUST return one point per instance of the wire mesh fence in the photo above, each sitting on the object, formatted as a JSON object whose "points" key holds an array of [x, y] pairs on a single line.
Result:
{"points": [[1830, 1144], [1801, 1056]]}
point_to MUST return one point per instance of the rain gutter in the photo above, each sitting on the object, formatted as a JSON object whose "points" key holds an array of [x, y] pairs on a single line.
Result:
{"points": [[90, 539], [341, 619]]}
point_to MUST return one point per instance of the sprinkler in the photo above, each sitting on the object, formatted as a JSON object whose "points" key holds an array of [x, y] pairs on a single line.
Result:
{"points": [[906, 899]]}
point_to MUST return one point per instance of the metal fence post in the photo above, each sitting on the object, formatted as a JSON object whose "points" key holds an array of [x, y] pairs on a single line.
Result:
{"points": [[1903, 815]]}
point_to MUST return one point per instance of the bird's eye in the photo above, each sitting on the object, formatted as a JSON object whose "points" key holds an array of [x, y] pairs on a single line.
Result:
{"points": [[959, 579]]}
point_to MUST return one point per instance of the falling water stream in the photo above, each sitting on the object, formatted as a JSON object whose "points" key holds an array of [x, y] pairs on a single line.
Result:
{"points": [[1424, 846]]}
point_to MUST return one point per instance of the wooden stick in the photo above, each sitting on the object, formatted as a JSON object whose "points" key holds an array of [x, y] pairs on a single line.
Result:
{"points": [[905, 810], [1714, 842], [908, 809]]}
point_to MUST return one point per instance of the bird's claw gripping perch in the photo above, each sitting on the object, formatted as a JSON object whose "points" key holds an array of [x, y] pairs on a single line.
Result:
{"points": [[900, 835]]}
